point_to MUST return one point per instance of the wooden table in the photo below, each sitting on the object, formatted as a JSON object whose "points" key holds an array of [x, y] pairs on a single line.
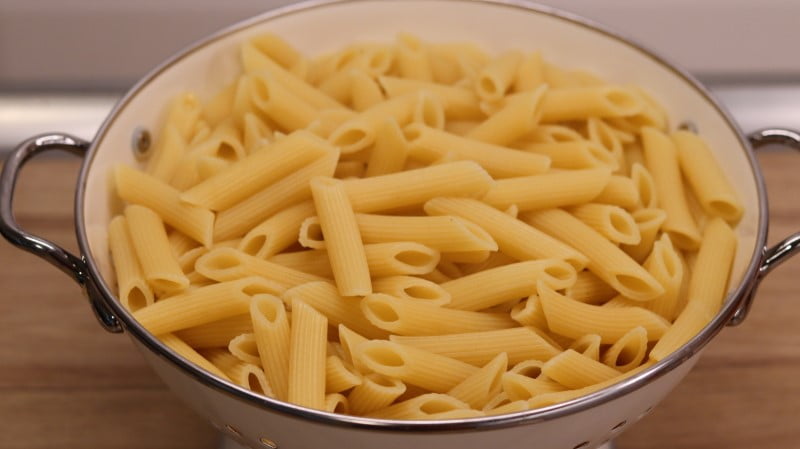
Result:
{"points": [[65, 383]]}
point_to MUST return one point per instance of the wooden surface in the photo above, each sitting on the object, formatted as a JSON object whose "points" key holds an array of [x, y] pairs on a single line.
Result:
{"points": [[65, 383]]}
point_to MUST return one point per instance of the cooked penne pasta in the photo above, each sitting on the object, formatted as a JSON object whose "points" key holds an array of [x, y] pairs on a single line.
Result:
{"points": [[271, 330], [628, 352], [557, 189], [375, 392], [665, 264], [612, 222], [339, 376], [572, 155], [478, 348], [443, 233], [428, 406], [313, 261], [574, 370], [413, 288], [216, 334], [459, 103], [477, 389], [620, 191], [649, 222], [521, 388], [529, 312], [277, 232], [410, 317], [577, 103], [517, 118], [343, 237], [307, 356], [149, 240], [606, 260], [390, 151], [513, 237], [134, 292], [590, 289], [186, 351]]}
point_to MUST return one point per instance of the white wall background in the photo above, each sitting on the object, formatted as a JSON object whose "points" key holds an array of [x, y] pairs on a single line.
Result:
{"points": [[97, 44]]}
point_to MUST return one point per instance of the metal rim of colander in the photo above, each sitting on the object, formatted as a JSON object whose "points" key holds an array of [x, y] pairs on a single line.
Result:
{"points": [[490, 422]]}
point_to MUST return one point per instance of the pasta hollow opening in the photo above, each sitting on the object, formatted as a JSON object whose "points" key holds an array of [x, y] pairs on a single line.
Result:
{"points": [[384, 356], [488, 86], [167, 284], [351, 137], [532, 369], [603, 156], [382, 311], [257, 288], [559, 273], [254, 244], [413, 258], [682, 240], [634, 283], [430, 113], [383, 381], [412, 132], [379, 61], [267, 309], [227, 152], [480, 234], [623, 224], [253, 383], [136, 299], [422, 292], [222, 262]]}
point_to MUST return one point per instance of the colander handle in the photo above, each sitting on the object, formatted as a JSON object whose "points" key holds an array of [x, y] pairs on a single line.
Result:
{"points": [[74, 266], [788, 247]]}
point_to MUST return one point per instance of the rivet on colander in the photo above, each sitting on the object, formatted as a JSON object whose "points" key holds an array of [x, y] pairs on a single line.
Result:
{"points": [[583, 445], [618, 427], [232, 430], [266, 442], [141, 142], [688, 125]]}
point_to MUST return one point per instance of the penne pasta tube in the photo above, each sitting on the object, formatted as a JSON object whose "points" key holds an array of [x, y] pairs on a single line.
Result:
{"points": [[329, 120], [409, 317], [412, 58], [216, 334], [226, 264], [578, 103], [245, 375], [606, 260], [497, 76], [612, 222], [706, 178], [313, 261], [665, 264], [590, 289], [343, 237], [307, 356], [390, 151], [574, 370], [134, 293], [427, 143], [412, 288], [572, 155], [428, 111], [529, 368], [557, 189], [324, 297], [255, 133], [588, 345], [499, 285], [459, 103], [415, 187], [349, 169], [192, 356], [284, 108], [516, 119], [427, 406], [645, 186], [477, 389], [513, 236], [203, 305], [337, 403], [479, 348], [574, 319], [258, 170], [529, 312], [365, 91], [620, 191], [530, 73], [375, 392], [139, 188], [339, 376], [277, 232], [649, 222], [348, 340], [443, 233], [169, 150], [628, 352], [707, 288], [521, 388], [271, 330], [413, 366], [661, 160], [180, 243], [149, 240], [358, 133]]}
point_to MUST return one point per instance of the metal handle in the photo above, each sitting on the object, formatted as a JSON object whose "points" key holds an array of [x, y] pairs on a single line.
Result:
{"points": [[788, 247], [72, 265]]}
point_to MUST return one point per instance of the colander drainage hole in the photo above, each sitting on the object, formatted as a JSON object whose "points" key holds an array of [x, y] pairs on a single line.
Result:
{"points": [[618, 427], [583, 445]]}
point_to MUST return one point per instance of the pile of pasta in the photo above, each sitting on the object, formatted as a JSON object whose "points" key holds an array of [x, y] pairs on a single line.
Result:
{"points": [[414, 230]]}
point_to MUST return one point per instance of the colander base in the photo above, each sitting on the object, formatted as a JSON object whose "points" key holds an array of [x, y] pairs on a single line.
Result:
{"points": [[228, 443]]}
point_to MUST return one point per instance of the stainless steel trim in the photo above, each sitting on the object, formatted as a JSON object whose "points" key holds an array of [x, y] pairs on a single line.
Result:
{"points": [[786, 248], [547, 413], [70, 264]]}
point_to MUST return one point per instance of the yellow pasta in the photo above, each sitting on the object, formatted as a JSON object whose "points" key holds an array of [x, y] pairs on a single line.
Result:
{"points": [[343, 240], [479, 348], [186, 351], [375, 392], [665, 264], [271, 329], [588, 345], [217, 333], [307, 356], [428, 406], [497, 76], [477, 389], [226, 264], [324, 297], [709, 184], [459, 103], [428, 144], [661, 159], [415, 187], [413, 366], [513, 237], [572, 155], [277, 232], [339, 376], [590, 289], [576, 103], [134, 293], [413, 288], [557, 189], [517, 117], [443, 233], [245, 348], [707, 288], [628, 352], [137, 187], [521, 388], [498, 285], [574, 319], [645, 186], [620, 191], [529, 312], [530, 73], [167, 154], [606, 260], [203, 305], [574, 370], [149, 241], [390, 151], [612, 222], [649, 222]]}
